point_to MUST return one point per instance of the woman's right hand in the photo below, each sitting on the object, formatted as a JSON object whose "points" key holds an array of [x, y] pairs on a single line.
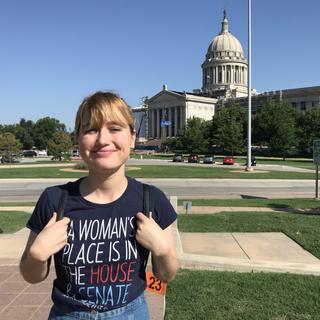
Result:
{"points": [[51, 239]]}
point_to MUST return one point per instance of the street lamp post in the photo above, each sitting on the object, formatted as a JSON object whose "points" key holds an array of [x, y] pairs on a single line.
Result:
{"points": [[248, 167]]}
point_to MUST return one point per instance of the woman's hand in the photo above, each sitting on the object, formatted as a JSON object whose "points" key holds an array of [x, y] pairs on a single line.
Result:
{"points": [[51, 239], [151, 236]]}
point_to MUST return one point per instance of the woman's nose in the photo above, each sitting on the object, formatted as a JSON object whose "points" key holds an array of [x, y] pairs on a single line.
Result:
{"points": [[104, 136]]}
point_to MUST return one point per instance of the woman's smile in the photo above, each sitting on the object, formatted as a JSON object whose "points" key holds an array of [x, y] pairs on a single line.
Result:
{"points": [[102, 153]]}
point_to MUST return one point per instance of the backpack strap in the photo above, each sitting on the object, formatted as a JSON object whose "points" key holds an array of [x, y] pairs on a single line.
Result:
{"points": [[60, 214], [146, 199], [146, 211], [62, 204]]}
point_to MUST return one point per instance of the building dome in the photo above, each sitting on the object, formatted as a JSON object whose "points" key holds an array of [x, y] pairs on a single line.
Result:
{"points": [[224, 70], [225, 44]]}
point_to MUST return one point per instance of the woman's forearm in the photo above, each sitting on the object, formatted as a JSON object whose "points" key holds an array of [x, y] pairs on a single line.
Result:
{"points": [[165, 267], [33, 270]]}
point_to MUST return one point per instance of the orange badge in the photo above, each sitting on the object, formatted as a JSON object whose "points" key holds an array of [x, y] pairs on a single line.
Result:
{"points": [[155, 285]]}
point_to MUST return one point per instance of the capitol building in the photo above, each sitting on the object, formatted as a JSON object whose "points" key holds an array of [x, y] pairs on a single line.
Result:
{"points": [[224, 83]]}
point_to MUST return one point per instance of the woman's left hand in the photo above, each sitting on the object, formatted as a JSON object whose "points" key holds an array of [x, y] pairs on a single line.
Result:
{"points": [[151, 236]]}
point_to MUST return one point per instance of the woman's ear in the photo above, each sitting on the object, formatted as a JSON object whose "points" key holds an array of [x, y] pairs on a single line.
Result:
{"points": [[133, 139]]}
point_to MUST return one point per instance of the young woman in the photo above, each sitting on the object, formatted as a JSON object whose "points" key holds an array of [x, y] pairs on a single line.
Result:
{"points": [[101, 245]]}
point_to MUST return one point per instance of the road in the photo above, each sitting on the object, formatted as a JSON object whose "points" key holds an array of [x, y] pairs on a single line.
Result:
{"points": [[30, 189]]}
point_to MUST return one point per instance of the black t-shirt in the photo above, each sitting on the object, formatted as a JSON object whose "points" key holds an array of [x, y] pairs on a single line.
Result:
{"points": [[102, 265]]}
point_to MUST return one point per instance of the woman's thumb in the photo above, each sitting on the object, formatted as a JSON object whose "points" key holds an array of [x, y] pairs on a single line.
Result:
{"points": [[52, 220]]}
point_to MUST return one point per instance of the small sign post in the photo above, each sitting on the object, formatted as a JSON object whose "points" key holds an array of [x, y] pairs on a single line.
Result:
{"points": [[187, 205], [316, 161]]}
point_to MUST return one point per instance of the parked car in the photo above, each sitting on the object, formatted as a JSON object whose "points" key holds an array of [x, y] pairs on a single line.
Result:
{"points": [[75, 153], [29, 153], [193, 158], [208, 158], [228, 160], [9, 158], [42, 153], [178, 157]]}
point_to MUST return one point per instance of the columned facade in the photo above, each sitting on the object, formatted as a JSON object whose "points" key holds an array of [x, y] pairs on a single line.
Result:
{"points": [[175, 121], [168, 112]]}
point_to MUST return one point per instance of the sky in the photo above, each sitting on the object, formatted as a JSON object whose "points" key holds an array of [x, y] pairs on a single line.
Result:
{"points": [[54, 53]]}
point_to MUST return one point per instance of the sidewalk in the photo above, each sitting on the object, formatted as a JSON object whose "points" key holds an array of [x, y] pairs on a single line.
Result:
{"points": [[242, 252]]}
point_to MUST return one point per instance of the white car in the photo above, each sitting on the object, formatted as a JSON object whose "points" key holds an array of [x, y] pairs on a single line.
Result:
{"points": [[42, 153]]}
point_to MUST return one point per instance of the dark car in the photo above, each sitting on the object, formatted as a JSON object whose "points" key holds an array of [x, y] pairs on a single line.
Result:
{"points": [[208, 158], [193, 158], [228, 160], [29, 153], [178, 157], [7, 158]]}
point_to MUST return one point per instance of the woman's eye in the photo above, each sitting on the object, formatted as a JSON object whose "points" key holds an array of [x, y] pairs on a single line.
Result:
{"points": [[91, 130], [115, 129]]}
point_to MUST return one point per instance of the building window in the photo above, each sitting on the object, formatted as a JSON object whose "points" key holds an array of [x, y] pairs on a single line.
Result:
{"points": [[211, 74], [228, 74], [303, 105], [219, 74], [293, 104]]}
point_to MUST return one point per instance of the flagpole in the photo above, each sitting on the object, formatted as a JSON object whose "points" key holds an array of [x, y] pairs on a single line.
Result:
{"points": [[248, 167]]}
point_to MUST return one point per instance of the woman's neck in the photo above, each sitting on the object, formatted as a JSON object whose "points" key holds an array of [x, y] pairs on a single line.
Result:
{"points": [[103, 189]]}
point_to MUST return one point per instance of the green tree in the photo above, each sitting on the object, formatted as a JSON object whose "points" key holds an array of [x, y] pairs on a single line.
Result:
{"points": [[308, 129], [194, 136], [172, 144], [9, 146], [44, 130], [275, 126], [24, 133], [228, 129], [59, 146]]}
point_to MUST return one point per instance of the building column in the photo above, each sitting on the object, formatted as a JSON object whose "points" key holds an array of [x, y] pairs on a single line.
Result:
{"points": [[175, 121], [231, 74], [217, 74], [170, 119], [158, 123], [223, 74], [151, 122], [154, 123]]}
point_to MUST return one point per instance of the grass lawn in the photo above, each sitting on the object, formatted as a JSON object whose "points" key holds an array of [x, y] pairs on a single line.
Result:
{"points": [[157, 172], [302, 228], [17, 204], [273, 203], [208, 295], [12, 221], [247, 296]]}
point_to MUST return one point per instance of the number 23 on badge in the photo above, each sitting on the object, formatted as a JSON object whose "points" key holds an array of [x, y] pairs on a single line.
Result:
{"points": [[155, 285]]}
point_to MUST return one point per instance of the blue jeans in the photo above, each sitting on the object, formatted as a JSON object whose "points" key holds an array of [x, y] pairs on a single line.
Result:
{"points": [[135, 310]]}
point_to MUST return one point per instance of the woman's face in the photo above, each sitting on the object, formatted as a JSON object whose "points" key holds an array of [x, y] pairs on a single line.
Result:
{"points": [[107, 148]]}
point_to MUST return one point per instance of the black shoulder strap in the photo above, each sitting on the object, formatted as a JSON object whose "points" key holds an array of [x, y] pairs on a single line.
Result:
{"points": [[146, 211], [60, 214], [62, 204], [146, 199]]}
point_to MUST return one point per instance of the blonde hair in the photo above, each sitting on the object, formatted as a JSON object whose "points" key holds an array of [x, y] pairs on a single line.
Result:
{"points": [[101, 107]]}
